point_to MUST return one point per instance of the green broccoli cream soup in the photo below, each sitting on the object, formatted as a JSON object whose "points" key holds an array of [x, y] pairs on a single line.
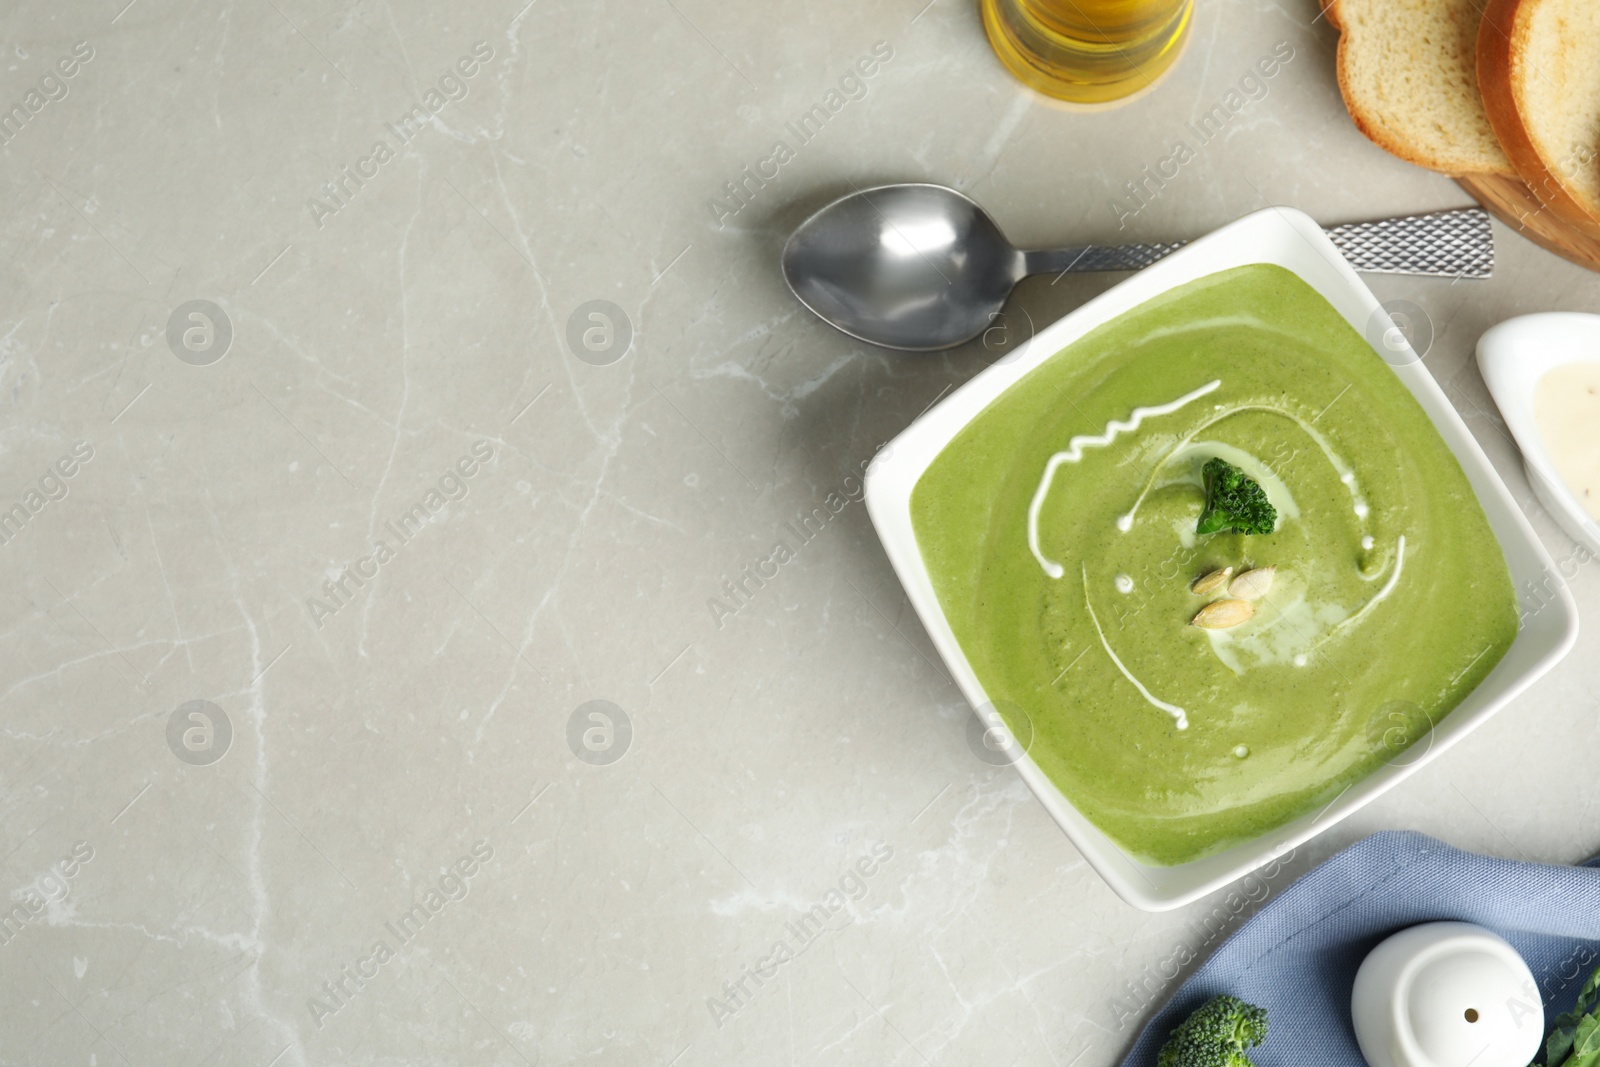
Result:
{"points": [[1183, 711]]}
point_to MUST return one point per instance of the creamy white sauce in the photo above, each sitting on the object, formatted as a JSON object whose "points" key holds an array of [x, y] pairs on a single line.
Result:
{"points": [[1179, 716], [1377, 598], [1074, 453], [1388, 587], [1346, 473], [1285, 627], [1566, 407]]}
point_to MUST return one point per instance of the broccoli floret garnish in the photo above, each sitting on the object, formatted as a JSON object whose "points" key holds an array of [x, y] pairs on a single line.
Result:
{"points": [[1216, 1035], [1234, 502]]}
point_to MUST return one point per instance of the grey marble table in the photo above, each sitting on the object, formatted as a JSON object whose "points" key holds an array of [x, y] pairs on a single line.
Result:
{"points": [[384, 383]]}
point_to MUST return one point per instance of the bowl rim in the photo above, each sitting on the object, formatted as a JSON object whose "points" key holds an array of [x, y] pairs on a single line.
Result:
{"points": [[1290, 239]]}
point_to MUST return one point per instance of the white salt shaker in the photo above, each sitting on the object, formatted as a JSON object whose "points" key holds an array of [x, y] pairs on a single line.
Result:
{"points": [[1446, 994]]}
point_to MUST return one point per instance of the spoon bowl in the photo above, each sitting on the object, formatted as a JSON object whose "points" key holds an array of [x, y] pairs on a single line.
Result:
{"points": [[914, 267]]}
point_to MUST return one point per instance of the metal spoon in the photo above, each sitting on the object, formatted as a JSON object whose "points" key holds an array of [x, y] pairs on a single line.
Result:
{"points": [[923, 268]]}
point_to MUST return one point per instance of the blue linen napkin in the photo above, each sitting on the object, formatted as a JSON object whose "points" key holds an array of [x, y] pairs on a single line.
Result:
{"points": [[1298, 956]]}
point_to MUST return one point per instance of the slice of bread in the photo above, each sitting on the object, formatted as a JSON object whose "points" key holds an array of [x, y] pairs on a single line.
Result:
{"points": [[1409, 74], [1539, 66]]}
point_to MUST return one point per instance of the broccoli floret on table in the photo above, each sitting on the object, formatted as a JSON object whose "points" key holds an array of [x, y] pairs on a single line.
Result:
{"points": [[1216, 1035]]}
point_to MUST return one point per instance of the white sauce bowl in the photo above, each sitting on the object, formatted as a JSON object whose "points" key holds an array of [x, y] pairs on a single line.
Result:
{"points": [[1513, 357]]}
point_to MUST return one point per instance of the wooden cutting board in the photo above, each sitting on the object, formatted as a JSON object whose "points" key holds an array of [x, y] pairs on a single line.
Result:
{"points": [[1514, 204]]}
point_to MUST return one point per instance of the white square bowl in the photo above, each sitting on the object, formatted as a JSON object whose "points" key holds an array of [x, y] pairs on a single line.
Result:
{"points": [[1288, 239]]}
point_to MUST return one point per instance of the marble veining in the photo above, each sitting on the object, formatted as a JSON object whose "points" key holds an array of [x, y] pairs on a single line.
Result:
{"points": [[459, 640]]}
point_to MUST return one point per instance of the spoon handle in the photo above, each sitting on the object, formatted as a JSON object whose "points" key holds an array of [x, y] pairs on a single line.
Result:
{"points": [[1459, 244], [1456, 244], [1098, 257]]}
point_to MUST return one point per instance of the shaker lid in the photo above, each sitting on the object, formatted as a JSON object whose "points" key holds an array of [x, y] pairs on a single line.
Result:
{"points": [[1466, 1002]]}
